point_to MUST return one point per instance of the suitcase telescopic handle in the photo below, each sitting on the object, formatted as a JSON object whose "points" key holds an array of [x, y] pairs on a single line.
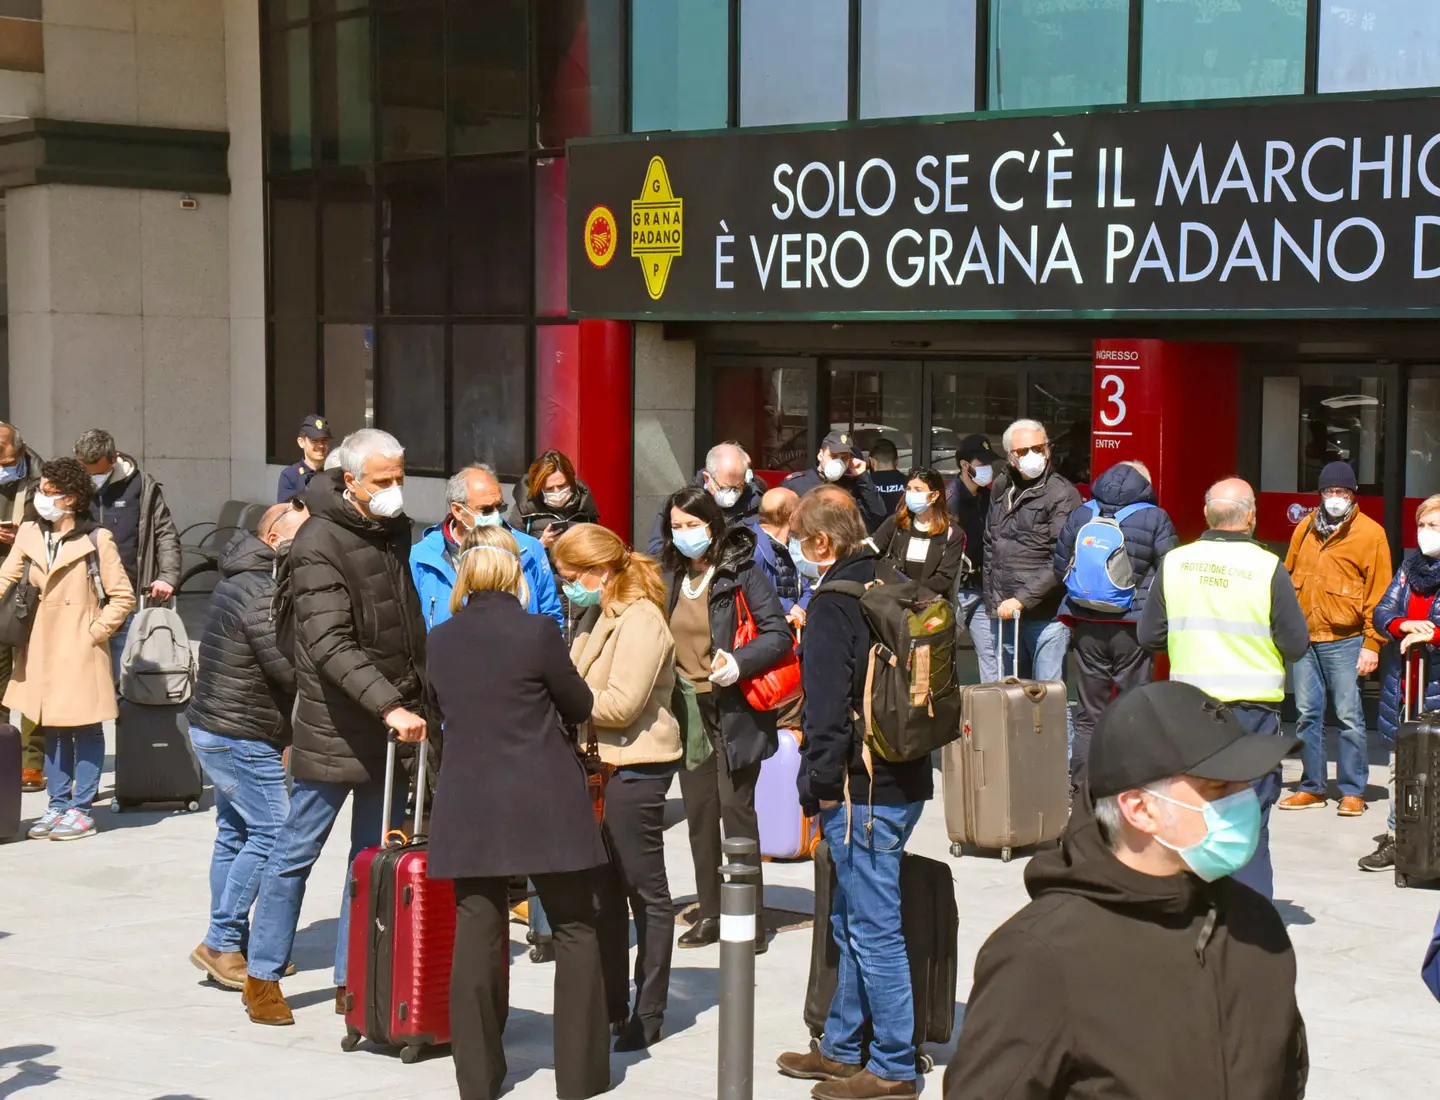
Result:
{"points": [[385, 831], [1000, 648], [1418, 672]]}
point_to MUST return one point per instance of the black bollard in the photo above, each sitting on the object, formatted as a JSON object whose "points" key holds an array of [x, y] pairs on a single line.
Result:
{"points": [[737, 971]]}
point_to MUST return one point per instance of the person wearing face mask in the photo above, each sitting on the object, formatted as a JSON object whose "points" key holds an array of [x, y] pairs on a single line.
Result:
{"points": [[550, 498], [61, 679], [772, 553], [728, 479], [839, 463], [358, 653], [19, 478], [1140, 961], [970, 504], [1030, 504], [709, 567], [1409, 614], [240, 725], [1231, 639], [624, 650], [313, 439], [920, 542], [475, 499], [884, 472], [1340, 561]]}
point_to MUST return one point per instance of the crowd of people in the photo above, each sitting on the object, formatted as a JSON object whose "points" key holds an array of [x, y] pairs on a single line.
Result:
{"points": [[514, 635]]}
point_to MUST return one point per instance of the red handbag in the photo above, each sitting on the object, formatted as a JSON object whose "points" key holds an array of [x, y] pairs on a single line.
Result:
{"points": [[775, 687]]}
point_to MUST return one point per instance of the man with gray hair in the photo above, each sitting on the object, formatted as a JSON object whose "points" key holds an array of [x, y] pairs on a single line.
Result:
{"points": [[475, 499], [19, 478], [1225, 611], [728, 479], [359, 655], [1108, 982]]}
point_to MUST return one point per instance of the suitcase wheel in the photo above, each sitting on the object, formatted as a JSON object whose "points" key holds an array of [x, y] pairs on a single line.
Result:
{"points": [[957, 850], [192, 805], [543, 952], [411, 1054], [1402, 880], [115, 806], [924, 1062], [1005, 855], [350, 1042]]}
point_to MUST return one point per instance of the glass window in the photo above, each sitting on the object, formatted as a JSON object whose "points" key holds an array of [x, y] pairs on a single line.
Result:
{"points": [[337, 7], [289, 101], [1060, 398], [343, 91], [349, 378], [579, 56], [487, 76], [1321, 415], [292, 381], [292, 250], [1200, 49], [489, 235], [1422, 438], [412, 83], [550, 236], [288, 11], [679, 64], [488, 421], [917, 57], [1058, 55], [347, 250], [1368, 44], [965, 400], [410, 401], [412, 222], [873, 400], [794, 61], [765, 407]]}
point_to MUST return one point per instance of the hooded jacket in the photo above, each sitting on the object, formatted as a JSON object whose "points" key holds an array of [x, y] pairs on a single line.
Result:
{"points": [[745, 512], [246, 686], [1149, 536], [132, 508], [360, 636], [1393, 609], [1116, 985], [433, 570], [1021, 531], [532, 515]]}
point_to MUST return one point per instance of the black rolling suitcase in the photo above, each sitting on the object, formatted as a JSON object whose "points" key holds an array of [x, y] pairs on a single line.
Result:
{"points": [[9, 782], [153, 758], [931, 924], [1417, 783]]}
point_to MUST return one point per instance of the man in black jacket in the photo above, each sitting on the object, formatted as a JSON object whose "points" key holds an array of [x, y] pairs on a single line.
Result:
{"points": [[239, 725], [727, 477], [359, 656], [1140, 969], [838, 463], [970, 504], [19, 476]]}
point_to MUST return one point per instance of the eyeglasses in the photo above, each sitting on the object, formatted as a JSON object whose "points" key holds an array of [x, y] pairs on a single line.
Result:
{"points": [[486, 509], [1038, 449]]}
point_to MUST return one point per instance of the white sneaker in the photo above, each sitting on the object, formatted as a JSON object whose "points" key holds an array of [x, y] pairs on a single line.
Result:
{"points": [[41, 829], [75, 825]]}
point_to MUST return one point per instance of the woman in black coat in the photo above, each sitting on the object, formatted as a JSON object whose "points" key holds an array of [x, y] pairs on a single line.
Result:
{"points": [[921, 542], [706, 566], [502, 682]]}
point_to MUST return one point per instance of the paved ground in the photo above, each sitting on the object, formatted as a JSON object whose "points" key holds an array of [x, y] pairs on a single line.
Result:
{"points": [[97, 998]]}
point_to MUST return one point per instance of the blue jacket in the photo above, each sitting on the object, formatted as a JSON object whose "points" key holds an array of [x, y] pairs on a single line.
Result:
{"points": [[1430, 971], [1395, 604], [294, 480], [789, 585], [1149, 536], [434, 575]]}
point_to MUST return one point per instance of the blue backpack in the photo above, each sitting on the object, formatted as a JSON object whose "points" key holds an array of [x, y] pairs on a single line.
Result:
{"points": [[1100, 577]]}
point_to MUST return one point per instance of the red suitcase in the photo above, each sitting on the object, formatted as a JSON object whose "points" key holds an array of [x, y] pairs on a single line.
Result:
{"points": [[402, 935]]}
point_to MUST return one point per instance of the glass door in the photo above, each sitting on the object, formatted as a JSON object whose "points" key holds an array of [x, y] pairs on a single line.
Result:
{"points": [[872, 399]]}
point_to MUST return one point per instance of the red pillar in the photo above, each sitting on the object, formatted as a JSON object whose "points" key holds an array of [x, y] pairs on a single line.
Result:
{"points": [[605, 448]]}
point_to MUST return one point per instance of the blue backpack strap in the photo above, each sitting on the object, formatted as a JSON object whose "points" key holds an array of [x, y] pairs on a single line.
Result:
{"points": [[1130, 509], [1094, 506]]}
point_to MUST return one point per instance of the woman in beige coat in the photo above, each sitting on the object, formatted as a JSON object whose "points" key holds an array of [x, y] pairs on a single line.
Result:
{"points": [[62, 679], [624, 650]]}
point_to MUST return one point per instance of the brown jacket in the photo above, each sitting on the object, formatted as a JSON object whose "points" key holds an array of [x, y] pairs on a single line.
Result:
{"points": [[1339, 581], [633, 720], [62, 677]]}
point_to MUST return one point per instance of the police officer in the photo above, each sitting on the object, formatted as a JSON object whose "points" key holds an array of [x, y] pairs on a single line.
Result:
{"points": [[837, 463], [314, 441], [1225, 610]]}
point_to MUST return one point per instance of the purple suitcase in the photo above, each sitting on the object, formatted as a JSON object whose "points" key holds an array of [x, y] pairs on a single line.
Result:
{"points": [[785, 831]]}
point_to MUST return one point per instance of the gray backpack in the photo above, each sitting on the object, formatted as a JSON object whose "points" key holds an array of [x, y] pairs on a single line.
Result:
{"points": [[157, 667]]}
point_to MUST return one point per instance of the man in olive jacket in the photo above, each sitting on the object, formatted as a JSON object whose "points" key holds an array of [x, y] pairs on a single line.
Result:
{"points": [[359, 656]]}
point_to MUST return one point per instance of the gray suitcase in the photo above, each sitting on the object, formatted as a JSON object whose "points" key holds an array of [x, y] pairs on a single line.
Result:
{"points": [[1006, 780]]}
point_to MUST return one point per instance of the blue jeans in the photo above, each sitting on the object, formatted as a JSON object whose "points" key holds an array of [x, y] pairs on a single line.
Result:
{"points": [[74, 756], [970, 610], [1330, 667], [250, 806], [1044, 645], [313, 809], [1259, 873], [117, 647], [873, 982]]}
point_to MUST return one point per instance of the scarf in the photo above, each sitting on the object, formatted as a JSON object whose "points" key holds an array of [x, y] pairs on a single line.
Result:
{"points": [[1325, 525], [1423, 574]]}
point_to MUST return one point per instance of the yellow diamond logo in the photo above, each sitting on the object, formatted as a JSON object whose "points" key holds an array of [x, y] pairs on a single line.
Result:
{"points": [[655, 227]]}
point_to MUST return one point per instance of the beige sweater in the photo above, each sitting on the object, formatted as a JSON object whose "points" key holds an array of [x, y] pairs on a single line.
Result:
{"points": [[627, 656]]}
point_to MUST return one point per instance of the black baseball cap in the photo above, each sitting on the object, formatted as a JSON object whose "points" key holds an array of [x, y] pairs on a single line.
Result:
{"points": [[1167, 729], [315, 426], [976, 448], [839, 443]]}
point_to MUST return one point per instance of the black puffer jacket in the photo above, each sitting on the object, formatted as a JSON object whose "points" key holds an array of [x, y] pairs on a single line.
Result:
{"points": [[534, 516], [1024, 524], [742, 513], [360, 636], [749, 735], [1149, 536], [246, 687]]}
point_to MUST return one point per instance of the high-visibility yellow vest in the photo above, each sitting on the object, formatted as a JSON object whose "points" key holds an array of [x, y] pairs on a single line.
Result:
{"points": [[1217, 598]]}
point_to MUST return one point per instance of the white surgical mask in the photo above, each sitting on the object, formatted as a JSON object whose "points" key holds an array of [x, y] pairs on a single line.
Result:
{"points": [[983, 475], [388, 502], [48, 507], [557, 498], [833, 469], [1032, 465], [1429, 542], [101, 479], [1337, 506], [726, 498]]}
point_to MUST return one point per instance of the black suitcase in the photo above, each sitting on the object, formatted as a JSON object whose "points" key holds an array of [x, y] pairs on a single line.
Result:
{"points": [[931, 923], [1417, 780], [9, 782], [153, 758]]}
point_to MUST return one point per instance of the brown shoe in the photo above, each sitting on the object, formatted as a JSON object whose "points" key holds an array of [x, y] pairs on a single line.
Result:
{"points": [[226, 968], [814, 1066], [32, 779], [265, 1004], [1301, 800], [1352, 805], [865, 1086], [339, 1000]]}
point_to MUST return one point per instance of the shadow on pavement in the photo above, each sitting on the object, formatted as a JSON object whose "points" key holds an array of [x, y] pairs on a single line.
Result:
{"points": [[29, 1073], [314, 947], [1293, 915]]}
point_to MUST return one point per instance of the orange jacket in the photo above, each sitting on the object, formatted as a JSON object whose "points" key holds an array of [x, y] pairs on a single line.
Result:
{"points": [[1339, 581]]}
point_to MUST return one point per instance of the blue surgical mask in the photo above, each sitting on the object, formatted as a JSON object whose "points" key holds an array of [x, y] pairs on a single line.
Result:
{"points": [[917, 502], [13, 473], [1232, 833], [482, 519], [806, 568], [691, 541], [579, 595]]}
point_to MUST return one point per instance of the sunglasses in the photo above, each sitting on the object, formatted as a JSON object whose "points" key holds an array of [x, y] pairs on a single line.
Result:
{"points": [[1038, 449], [486, 509]]}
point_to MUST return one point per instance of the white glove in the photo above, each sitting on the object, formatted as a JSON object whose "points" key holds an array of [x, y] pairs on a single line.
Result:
{"points": [[728, 672]]}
